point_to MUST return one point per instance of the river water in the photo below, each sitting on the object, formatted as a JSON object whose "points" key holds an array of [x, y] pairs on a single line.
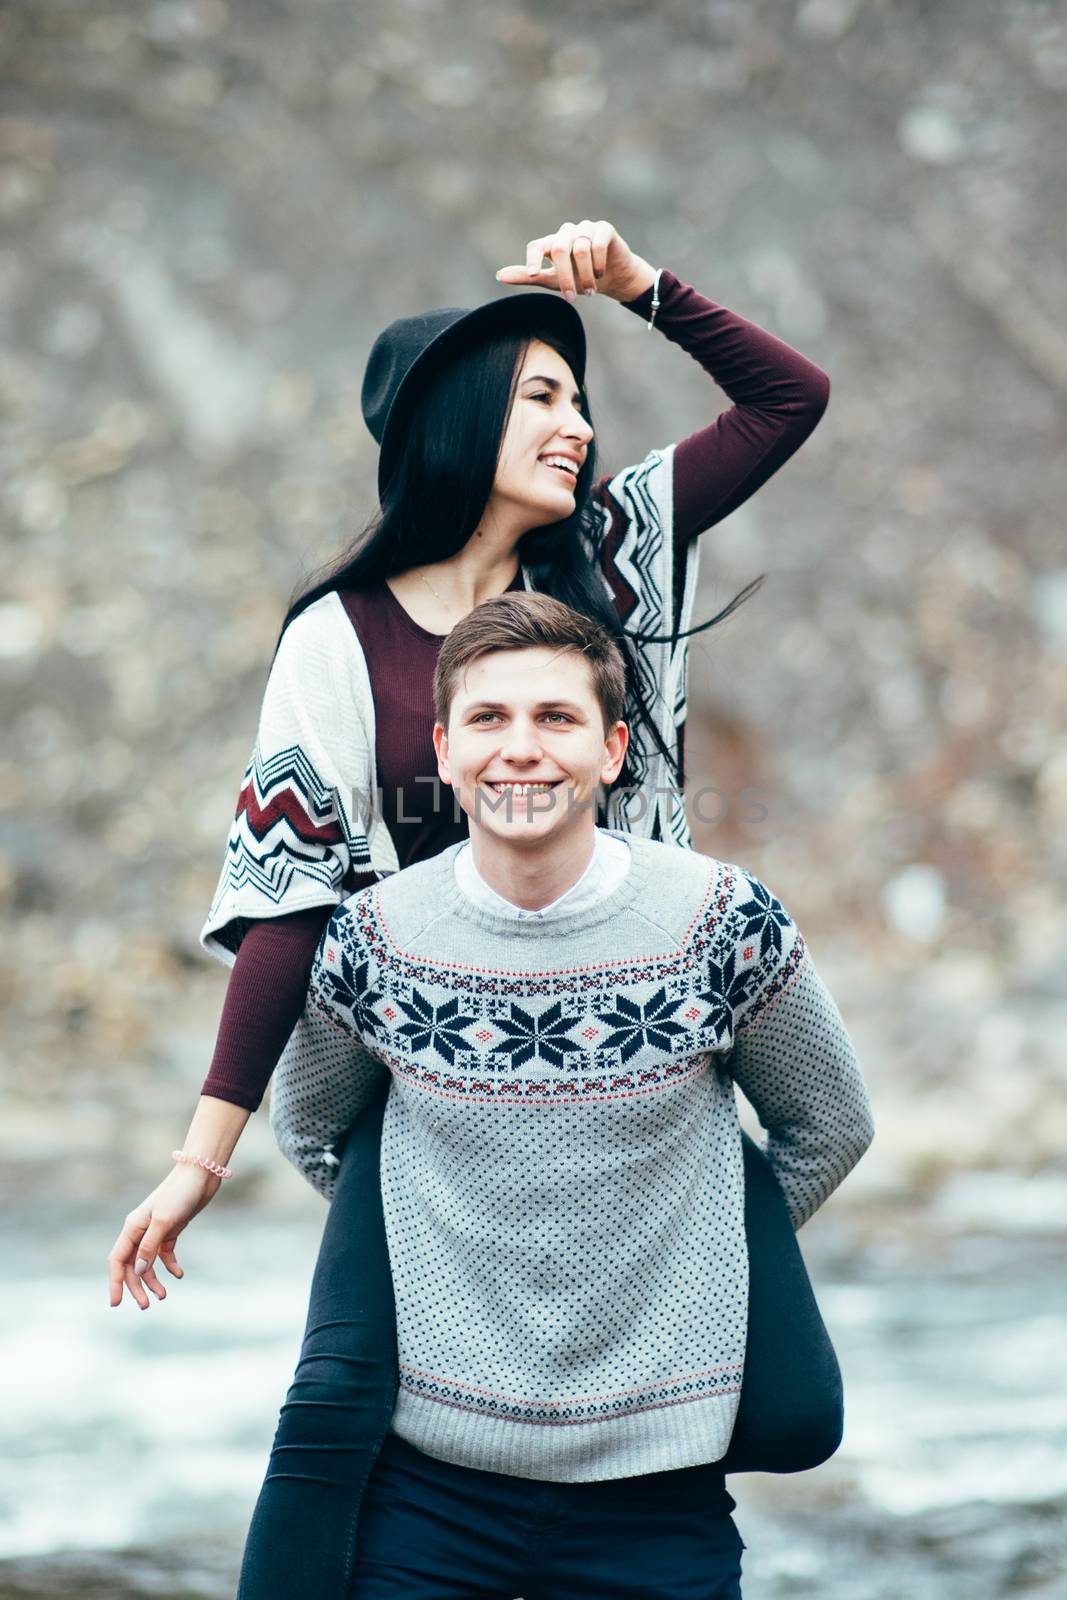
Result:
{"points": [[134, 1443]]}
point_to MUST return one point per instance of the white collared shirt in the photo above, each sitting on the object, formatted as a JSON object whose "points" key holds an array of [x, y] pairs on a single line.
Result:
{"points": [[607, 867]]}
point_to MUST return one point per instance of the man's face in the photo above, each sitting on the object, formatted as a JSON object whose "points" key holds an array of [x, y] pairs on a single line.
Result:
{"points": [[526, 747]]}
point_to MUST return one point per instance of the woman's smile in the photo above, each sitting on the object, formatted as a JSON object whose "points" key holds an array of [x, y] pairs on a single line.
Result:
{"points": [[564, 466]]}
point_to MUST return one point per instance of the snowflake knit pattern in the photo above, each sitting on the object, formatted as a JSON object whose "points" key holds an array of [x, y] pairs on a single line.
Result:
{"points": [[561, 1162]]}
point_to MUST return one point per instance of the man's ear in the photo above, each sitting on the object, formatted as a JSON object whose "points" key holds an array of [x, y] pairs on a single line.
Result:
{"points": [[440, 744], [615, 743]]}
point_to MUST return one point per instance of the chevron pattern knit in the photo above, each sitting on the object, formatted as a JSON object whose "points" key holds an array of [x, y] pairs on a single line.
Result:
{"points": [[561, 1163]]}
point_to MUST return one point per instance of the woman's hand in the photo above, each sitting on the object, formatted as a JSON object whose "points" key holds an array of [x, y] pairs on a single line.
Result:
{"points": [[589, 257], [152, 1229]]}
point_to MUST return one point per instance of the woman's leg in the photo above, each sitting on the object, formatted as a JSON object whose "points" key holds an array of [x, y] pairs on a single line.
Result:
{"points": [[791, 1413], [301, 1541]]}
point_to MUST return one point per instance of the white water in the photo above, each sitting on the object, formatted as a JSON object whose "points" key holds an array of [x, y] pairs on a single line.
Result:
{"points": [[123, 1427]]}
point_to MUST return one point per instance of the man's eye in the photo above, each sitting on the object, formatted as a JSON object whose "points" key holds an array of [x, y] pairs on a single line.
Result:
{"points": [[562, 714], [482, 714]]}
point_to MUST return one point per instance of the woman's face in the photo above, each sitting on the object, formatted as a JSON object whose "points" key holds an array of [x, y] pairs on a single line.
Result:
{"points": [[546, 426]]}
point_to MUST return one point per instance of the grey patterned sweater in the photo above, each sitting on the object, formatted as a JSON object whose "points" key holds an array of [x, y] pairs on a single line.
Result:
{"points": [[561, 1158]]}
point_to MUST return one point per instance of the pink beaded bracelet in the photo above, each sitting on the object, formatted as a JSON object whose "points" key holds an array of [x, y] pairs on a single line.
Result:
{"points": [[202, 1161]]}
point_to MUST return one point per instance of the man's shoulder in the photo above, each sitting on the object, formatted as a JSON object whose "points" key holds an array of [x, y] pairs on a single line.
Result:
{"points": [[673, 856], [687, 880], [671, 863], [411, 894]]}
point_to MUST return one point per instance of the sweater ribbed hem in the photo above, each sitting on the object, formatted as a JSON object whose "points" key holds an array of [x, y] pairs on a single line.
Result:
{"points": [[688, 1434]]}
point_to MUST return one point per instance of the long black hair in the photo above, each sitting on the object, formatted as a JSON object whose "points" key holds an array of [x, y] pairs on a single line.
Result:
{"points": [[442, 482]]}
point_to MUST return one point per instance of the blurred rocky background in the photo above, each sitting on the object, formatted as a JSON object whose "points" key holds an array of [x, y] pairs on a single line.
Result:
{"points": [[209, 209]]}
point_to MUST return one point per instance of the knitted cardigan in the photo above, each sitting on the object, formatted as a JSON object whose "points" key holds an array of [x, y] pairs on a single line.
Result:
{"points": [[561, 1153], [310, 816]]}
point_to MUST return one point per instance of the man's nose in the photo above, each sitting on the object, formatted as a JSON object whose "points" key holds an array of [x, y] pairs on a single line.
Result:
{"points": [[522, 741]]}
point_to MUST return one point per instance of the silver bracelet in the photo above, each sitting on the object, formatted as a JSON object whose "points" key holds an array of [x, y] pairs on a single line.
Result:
{"points": [[655, 299]]}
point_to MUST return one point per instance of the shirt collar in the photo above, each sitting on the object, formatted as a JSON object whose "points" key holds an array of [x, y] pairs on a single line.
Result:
{"points": [[607, 867]]}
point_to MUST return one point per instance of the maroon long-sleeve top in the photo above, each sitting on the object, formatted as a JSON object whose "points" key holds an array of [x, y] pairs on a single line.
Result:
{"points": [[778, 396]]}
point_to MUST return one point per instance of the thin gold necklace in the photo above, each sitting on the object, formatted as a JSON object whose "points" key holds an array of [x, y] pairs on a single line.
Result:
{"points": [[436, 596]]}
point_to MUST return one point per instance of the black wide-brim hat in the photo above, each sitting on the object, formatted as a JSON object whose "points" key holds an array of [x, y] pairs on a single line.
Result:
{"points": [[411, 349]]}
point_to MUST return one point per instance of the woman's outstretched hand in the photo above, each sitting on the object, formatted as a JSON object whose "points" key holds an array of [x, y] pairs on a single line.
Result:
{"points": [[587, 258], [151, 1231]]}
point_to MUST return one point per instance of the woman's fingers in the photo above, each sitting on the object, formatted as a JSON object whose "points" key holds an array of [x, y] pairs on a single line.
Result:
{"points": [[148, 1277], [582, 265], [151, 1233], [560, 252], [158, 1243], [582, 254], [602, 235], [542, 279], [131, 1263], [536, 251], [123, 1251], [579, 255], [121, 1273], [170, 1260], [534, 271], [136, 1288]]}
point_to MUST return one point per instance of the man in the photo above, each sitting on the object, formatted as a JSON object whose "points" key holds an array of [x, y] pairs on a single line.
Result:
{"points": [[564, 1012]]}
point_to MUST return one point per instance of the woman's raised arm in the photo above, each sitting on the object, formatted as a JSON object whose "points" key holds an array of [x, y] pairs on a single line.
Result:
{"points": [[778, 394], [778, 397]]}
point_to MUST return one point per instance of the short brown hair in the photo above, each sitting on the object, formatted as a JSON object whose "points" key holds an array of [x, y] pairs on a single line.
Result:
{"points": [[528, 621]]}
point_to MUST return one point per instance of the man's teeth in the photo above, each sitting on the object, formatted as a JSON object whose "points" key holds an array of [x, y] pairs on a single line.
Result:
{"points": [[521, 788]]}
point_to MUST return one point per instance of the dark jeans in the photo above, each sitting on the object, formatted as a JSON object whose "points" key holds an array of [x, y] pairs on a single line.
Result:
{"points": [[430, 1530], [302, 1540]]}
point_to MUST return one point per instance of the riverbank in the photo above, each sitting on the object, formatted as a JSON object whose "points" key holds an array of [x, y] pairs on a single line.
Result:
{"points": [[951, 1484]]}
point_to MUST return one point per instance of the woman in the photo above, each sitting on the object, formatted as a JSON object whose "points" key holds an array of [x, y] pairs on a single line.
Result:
{"points": [[332, 795]]}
